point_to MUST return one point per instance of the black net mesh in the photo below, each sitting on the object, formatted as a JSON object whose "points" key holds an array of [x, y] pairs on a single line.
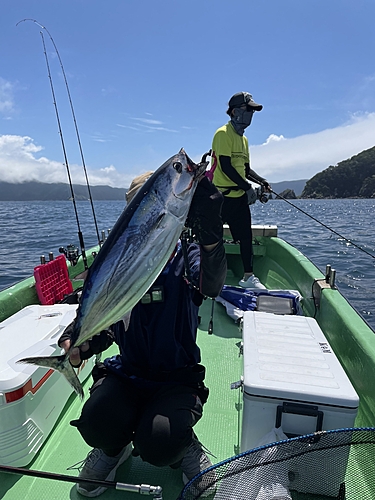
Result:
{"points": [[324, 465]]}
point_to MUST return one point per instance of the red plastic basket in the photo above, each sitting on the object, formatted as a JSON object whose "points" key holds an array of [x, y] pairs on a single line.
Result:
{"points": [[52, 281]]}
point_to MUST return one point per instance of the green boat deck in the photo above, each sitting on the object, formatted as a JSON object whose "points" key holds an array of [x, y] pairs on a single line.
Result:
{"points": [[220, 428]]}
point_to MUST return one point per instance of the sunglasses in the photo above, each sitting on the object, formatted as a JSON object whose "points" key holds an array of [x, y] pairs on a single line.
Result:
{"points": [[248, 108]]}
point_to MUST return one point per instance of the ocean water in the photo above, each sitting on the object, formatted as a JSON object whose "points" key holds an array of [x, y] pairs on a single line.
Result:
{"points": [[31, 229]]}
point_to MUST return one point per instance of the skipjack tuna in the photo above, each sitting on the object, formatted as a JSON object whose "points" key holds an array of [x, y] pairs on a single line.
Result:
{"points": [[133, 256]]}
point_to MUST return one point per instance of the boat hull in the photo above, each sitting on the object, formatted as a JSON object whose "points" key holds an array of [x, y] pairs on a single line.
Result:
{"points": [[279, 266]]}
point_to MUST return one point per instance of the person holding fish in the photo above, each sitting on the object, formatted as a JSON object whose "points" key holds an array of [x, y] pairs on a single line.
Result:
{"points": [[146, 400], [230, 172]]}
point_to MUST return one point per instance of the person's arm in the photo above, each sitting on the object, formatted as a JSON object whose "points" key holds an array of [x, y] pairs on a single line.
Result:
{"points": [[231, 172], [253, 176], [205, 220]]}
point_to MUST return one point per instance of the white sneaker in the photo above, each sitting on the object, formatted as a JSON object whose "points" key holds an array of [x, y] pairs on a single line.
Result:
{"points": [[252, 282]]}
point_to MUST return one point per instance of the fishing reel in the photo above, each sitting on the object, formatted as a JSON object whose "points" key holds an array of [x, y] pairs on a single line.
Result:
{"points": [[262, 195], [71, 252]]}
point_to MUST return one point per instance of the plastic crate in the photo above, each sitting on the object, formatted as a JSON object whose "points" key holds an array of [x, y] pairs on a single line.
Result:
{"points": [[52, 281]]}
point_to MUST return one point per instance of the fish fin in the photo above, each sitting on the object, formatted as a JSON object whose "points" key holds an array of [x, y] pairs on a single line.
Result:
{"points": [[60, 364]]}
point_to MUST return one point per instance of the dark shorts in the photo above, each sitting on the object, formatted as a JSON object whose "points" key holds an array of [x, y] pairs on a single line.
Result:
{"points": [[158, 419]]}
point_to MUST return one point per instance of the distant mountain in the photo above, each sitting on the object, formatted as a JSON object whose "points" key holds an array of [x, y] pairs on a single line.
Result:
{"points": [[296, 186], [352, 178], [39, 191]]}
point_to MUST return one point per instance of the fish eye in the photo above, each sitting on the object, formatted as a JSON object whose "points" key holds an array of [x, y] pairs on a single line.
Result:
{"points": [[177, 166]]}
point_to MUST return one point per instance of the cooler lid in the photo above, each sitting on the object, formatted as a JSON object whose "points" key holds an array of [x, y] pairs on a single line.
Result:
{"points": [[288, 357], [33, 331]]}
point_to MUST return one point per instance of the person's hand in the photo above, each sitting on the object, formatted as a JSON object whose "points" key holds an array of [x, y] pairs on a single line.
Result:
{"points": [[96, 345], [204, 216], [267, 186], [77, 354]]}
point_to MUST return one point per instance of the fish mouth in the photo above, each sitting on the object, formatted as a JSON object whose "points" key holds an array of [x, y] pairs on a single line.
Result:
{"points": [[197, 169]]}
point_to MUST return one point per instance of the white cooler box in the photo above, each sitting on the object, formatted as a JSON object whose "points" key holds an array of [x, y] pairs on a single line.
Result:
{"points": [[31, 397], [293, 380]]}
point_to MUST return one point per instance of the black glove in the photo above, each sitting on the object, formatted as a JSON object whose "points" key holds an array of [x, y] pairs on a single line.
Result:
{"points": [[204, 216], [97, 344], [266, 186]]}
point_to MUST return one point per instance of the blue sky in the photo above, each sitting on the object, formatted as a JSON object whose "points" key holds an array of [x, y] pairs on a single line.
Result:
{"points": [[148, 77]]}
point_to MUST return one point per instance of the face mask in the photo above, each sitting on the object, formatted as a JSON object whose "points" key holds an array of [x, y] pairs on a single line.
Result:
{"points": [[241, 119]]}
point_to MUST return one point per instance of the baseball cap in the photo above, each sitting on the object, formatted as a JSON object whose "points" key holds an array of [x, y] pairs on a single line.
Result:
{"points": [[242, 98]]}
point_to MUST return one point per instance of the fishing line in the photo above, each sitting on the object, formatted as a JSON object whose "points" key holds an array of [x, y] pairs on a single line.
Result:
{"points": [[74, 118], [322, 224]]}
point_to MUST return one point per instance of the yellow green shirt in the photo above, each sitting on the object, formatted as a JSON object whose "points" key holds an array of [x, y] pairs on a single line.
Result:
{"points": [[227, 142]]}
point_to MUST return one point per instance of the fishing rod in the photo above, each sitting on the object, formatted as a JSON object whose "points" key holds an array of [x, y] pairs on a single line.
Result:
{"points": [[80, 235], [143, 489], [324, 225], [75, 125]]}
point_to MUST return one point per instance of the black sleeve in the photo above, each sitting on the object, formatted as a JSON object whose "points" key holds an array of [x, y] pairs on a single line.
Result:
{"points": [[213, 270], [252, 175], [231, 172]]}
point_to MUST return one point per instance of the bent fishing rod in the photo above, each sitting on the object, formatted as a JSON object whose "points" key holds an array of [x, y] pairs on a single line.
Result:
{"points": [[324, 225], [143, 489], [61, 136]]}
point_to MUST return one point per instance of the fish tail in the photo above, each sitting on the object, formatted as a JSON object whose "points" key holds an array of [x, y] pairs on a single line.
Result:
{"points": [[60, 364]]}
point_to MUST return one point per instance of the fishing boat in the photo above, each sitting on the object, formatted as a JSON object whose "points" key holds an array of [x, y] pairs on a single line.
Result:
{"points": [[296, 360]]}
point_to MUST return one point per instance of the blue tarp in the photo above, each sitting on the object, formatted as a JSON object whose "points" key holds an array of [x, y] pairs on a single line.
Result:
{"points": [[237, 299]]}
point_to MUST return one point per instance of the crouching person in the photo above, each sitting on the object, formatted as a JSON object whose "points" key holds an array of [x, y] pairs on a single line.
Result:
{"points": [[146, 400]]}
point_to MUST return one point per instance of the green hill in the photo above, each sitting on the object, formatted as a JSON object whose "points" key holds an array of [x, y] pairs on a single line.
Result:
{"points": [[352, 178]]}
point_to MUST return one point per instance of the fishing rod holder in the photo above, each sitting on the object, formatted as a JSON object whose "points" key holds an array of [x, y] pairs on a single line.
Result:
{"points": [[330, 276], [43, 258], [320, 284]]}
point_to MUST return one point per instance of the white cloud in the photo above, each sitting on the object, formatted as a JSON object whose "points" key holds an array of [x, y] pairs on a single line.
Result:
{"points": [[150, 124], [280, 158], [274, 138], [108, 170], [19, 163], [148, 121]]}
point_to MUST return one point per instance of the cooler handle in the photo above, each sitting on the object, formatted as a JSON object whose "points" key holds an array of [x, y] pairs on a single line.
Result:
{"points": [[299, 409]]}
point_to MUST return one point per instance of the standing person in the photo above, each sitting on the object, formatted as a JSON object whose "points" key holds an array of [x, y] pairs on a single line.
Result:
{"points": [[230, 170], [146, 400]]}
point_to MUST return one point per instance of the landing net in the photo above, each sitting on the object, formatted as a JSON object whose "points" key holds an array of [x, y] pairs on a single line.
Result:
{"points": [[335, 464]]}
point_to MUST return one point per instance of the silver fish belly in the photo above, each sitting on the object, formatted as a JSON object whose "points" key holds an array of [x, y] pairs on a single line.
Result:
{"points": [[133, 256]]}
